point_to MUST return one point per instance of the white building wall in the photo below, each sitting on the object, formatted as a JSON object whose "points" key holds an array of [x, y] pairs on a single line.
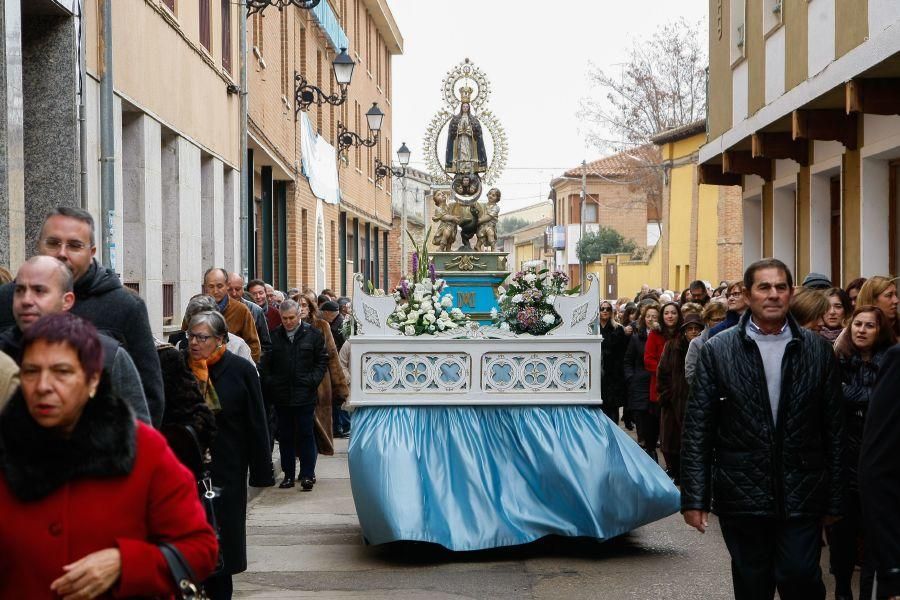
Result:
{"points": [[231, 218], [775, 65], [820, 220], [820, 39], [883, 14], [212, 195], [740, 90], [784, 226], [142, 212]]}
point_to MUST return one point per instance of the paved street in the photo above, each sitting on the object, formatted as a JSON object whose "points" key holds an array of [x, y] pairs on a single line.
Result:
{"points": [[308, 545]]}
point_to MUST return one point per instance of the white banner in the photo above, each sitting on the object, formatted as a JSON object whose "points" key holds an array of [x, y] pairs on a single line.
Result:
{"points": [[319, 163]]}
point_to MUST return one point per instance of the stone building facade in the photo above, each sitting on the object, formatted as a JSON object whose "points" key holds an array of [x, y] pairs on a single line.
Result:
{"points": [[803, 117], [176, 129]]}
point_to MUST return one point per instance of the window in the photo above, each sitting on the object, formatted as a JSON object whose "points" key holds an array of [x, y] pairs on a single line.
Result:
{"points": [[368, 42], [355, 26], [378, 61], [303, 66], [590, 212], [738, 30], [358, 149], [285, 74], [226, 35], [205, 24]]}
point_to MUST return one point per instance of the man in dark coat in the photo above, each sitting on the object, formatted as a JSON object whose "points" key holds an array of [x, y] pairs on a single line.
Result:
{"points": [[43, 286], [879, 477], [762, 443], [257, 290], [291, 375], [68, 235]]}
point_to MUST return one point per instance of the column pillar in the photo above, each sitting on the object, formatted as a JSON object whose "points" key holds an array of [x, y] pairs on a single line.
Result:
{"points": [[851, 215], [231, 218], [784, 228], [12, 157], [212, 208], [141, 258], [768, 215], [804, 220], [875, 217]]}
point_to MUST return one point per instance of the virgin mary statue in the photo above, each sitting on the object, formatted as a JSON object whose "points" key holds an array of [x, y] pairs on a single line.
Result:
{"points": [[465, 143]]}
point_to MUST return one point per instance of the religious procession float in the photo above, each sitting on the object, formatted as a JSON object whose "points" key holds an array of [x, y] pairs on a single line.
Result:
{"points": [[475, 391]]}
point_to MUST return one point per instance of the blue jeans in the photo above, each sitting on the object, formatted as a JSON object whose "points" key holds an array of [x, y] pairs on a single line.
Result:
{"points": [[340, 420], [296, 425]]}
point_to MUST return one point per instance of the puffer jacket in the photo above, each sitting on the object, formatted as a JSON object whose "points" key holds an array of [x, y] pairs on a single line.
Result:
{"points": [[737, 461], [858, 382]]}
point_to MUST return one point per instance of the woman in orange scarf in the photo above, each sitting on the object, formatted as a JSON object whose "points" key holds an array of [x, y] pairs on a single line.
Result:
{"points": [[230, 387]]}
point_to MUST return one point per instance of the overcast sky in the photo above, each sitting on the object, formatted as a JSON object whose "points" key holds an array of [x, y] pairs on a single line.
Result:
{"points": [[536, 55]]}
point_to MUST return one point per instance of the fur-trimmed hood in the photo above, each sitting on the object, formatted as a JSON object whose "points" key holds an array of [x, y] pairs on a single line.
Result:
{"points": [[35, 461]]}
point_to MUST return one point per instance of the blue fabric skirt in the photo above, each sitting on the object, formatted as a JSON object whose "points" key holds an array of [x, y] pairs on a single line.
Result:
{"points": [[476, 477]]}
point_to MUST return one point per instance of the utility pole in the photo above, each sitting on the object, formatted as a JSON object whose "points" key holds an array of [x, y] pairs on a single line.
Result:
{"points": [[245, 176], [581, 234], [107, 141], [403, 226]]}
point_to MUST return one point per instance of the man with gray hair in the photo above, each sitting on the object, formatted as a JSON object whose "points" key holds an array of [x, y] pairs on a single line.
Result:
{"points": [[68, 236], [236, 292], [43, 286], [291, 375]]}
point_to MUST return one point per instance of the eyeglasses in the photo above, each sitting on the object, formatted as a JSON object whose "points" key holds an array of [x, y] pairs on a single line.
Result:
{"points": [[56, 244], [199, 337], [735, 295]]}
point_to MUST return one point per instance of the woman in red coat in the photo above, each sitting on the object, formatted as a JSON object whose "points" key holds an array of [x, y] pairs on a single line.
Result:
{"points": [[87, 492], [669, 326]]}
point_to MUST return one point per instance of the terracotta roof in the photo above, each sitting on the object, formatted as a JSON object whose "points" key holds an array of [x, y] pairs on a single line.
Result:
{"points": [[618, 165], [679, 133]]}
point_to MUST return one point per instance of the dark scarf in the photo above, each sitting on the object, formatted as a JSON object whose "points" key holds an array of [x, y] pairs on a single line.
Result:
{"points": [[35, 461]]}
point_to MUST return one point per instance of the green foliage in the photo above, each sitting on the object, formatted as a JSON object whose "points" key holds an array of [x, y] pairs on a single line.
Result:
{"points": [[510, 224], [605, 241]]}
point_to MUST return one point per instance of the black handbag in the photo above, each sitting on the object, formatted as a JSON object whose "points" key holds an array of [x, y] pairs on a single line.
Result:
{"points": [[182, 574]]}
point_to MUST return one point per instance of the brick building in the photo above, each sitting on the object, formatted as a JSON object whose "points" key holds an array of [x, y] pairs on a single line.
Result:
{"points": [[613, 200], [803, 116], [298, 238]]}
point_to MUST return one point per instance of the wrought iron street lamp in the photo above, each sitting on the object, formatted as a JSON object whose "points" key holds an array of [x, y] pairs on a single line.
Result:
{"points": [[349, 139], [382, 170], [255, 6], [306, 94]]}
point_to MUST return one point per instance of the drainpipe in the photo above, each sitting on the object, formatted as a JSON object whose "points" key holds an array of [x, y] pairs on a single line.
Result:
{"points": [[245, 176], [107, 143], [82, 107]]}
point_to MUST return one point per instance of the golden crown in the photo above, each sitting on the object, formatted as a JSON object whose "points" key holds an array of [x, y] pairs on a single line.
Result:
{"points": [[465, 93]]}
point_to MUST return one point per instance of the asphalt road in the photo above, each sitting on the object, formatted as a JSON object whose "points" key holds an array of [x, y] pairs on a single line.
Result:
{"points": [[309, 545]]}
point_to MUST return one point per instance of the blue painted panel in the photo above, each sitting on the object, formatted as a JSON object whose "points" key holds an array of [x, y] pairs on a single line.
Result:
{"points": [[478, 289], [328, 21]]}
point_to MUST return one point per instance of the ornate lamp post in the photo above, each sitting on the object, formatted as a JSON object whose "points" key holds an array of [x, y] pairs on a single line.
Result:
{"points": [[306, 94], [349, 139], [382, 170], [255, 6]]}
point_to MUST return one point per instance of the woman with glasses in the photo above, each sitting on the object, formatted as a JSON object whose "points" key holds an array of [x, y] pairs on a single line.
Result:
{"points": [[612, 380], [230, 387]]}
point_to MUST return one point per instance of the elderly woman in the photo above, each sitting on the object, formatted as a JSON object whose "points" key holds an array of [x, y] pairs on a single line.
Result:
{"points": [[334, 389], [203, 303], [88, 493], [230, 386], [861, 353]]}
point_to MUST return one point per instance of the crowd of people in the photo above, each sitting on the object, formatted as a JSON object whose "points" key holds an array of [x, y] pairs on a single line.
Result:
{"points": [[125, 458], [762, 398]]}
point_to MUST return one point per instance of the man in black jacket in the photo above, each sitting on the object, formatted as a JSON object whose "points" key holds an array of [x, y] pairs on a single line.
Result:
{"points": [[68, 235], [291, 375], [879, 477], [762, 443]]}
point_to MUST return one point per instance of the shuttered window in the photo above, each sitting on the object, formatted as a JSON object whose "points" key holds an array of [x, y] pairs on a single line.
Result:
{"points": [[205, 24], [226, 35]]}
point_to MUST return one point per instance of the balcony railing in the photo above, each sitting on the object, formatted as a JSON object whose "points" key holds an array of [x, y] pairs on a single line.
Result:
{"points": [[328, 21]]}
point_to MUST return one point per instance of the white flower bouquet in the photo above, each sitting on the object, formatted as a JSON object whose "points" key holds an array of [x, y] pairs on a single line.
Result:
{"points": [[423, 308], [526, 304]]}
